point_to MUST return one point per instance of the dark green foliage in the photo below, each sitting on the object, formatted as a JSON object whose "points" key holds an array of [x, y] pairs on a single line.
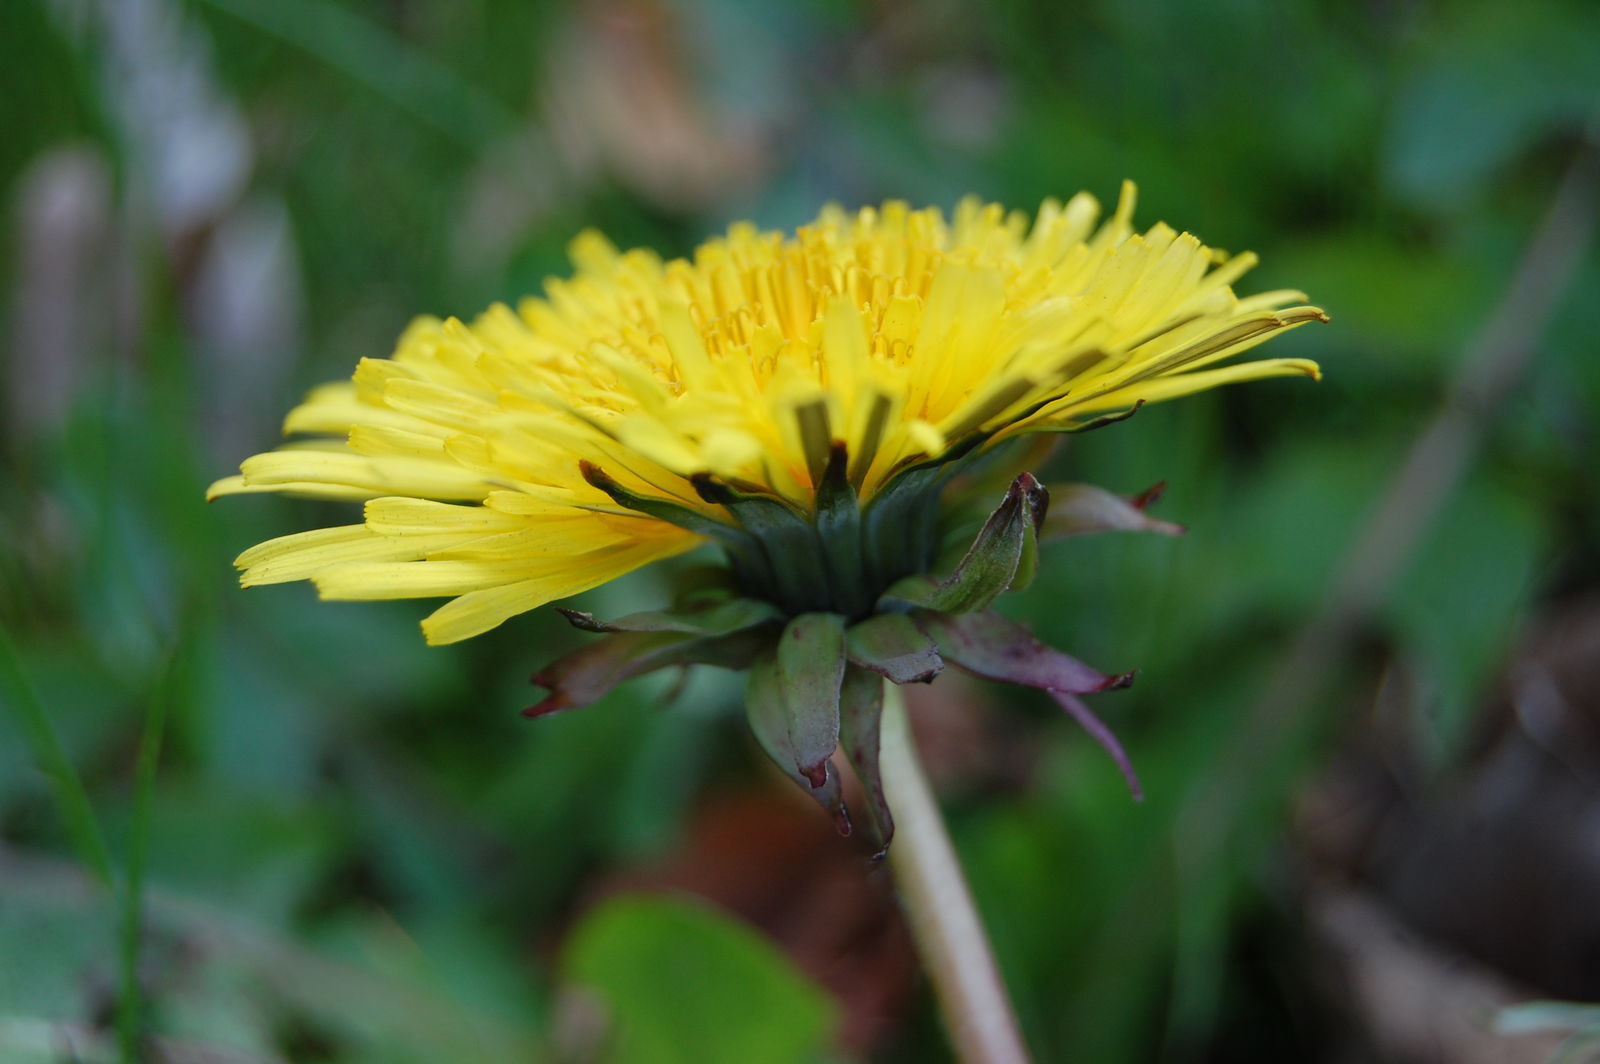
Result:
{"points": [[353, 848]]}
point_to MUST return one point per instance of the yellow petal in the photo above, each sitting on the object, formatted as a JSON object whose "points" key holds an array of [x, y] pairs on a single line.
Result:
{"points": [[303, 554], [374, 476], [398, 515], [235, 485], [479, 611], [413, 579], [1164, 388]]}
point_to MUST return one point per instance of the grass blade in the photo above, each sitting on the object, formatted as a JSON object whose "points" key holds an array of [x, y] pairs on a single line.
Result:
{"points": [[76, 813], [130, 997]]}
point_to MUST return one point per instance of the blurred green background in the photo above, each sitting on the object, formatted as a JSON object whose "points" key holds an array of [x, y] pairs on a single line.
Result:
{"points": [[1371, 812]]}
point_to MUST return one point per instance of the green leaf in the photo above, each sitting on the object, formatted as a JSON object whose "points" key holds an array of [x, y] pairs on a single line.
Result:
{"points": [[1459, 602], [411, 78], [683, 984], [1500, 80], [73, 800], [892, 646], [1001, 557]]}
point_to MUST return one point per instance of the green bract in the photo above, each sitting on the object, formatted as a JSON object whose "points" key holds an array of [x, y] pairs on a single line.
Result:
{"points": [[823, 608]]}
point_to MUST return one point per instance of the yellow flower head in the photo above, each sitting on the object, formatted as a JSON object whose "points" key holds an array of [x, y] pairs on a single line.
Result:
{"points": [[825, 382]]}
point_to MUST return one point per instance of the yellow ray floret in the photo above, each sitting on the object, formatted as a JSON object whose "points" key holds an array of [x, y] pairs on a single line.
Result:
{"points": [[897, 333]]}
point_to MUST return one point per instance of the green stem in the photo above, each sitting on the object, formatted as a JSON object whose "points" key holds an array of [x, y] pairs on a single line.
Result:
{"points": [[939, 908], [130, 1001]]}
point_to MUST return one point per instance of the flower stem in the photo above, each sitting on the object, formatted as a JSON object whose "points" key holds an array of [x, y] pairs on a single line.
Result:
{"points": [[938, 906]]}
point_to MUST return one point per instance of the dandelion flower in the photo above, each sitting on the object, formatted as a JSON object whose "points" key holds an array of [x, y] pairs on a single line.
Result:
{"points": [[541, 451], [804, 402]]}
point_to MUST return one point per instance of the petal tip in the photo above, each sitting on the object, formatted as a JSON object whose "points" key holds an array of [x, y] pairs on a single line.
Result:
{"points": [[816, 775], [1149, 496], [224, 486], [1120, 681]]}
